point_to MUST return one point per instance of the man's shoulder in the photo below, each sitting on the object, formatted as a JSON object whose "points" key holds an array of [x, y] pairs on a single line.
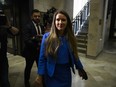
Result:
{"points": [[42, 26], [29, 25]]}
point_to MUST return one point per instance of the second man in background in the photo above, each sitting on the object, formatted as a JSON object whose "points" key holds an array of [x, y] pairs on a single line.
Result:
{"points": [[32, 34]]}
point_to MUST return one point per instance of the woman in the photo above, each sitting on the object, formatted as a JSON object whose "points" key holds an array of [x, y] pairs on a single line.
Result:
{"points": [[58, 53]]}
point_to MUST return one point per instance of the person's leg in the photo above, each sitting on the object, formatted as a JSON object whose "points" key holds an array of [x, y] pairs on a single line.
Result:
{"points": [[29, 64], [37, 57], [4, 80]]}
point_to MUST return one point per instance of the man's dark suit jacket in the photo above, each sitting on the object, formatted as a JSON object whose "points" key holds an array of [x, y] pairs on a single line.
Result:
{"points": [[30, 40]]}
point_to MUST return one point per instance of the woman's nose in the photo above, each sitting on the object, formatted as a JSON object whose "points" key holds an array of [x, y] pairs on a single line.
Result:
{"points": [[60, 21]]}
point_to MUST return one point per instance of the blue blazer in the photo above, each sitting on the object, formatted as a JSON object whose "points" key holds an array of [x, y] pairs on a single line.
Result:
{"points": [[48, 64]]}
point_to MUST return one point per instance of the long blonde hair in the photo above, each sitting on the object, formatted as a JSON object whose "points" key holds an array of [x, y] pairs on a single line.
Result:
{"points": [[53, 41]]}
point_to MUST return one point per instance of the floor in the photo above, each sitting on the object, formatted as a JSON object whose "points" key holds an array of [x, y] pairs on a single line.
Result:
{"points": [[101, 70]]}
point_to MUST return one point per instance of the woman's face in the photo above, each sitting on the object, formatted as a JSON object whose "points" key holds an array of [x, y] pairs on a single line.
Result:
{"points": [[61, 22]]}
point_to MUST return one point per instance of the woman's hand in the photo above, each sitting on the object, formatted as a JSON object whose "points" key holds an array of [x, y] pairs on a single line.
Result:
{"points": [[82, 74], [39, 81]]}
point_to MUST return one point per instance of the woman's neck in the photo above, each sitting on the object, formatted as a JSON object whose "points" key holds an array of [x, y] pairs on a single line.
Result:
{"points": [[60, 33]]}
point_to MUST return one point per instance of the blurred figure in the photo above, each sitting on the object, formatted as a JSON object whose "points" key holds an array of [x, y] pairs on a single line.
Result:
{"points": [[32, 35], [5, 28]]}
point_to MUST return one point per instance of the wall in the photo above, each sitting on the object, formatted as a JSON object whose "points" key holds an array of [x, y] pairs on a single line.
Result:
{"points": [[68, 6], [95, 31], [43, 5], [106, 26]]}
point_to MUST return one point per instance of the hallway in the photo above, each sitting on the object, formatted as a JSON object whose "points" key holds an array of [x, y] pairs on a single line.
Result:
{"points": [[101, 71]]}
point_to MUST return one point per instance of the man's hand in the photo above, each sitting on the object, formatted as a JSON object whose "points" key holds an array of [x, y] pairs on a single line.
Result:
{"points": [[14, 30]]}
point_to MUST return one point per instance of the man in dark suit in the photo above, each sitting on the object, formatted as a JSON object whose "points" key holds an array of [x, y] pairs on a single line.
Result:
{"points": [[5, 28], [32, 35], [4, 80]]}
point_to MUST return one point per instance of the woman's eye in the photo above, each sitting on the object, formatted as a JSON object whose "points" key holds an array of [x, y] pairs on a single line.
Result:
{"points": [[63, 20], [60, 19], [57, 19]]}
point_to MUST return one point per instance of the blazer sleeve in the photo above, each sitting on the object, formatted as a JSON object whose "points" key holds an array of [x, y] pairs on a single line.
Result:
{"points": [[75, 62], [78, 64], [42, 58], [28, 33]]}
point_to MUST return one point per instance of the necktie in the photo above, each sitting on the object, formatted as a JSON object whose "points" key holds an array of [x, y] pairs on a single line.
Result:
{"points": [[38, 31]]}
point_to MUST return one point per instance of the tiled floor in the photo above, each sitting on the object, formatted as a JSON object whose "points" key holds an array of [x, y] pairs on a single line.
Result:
{"points": [[101, 70]]}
